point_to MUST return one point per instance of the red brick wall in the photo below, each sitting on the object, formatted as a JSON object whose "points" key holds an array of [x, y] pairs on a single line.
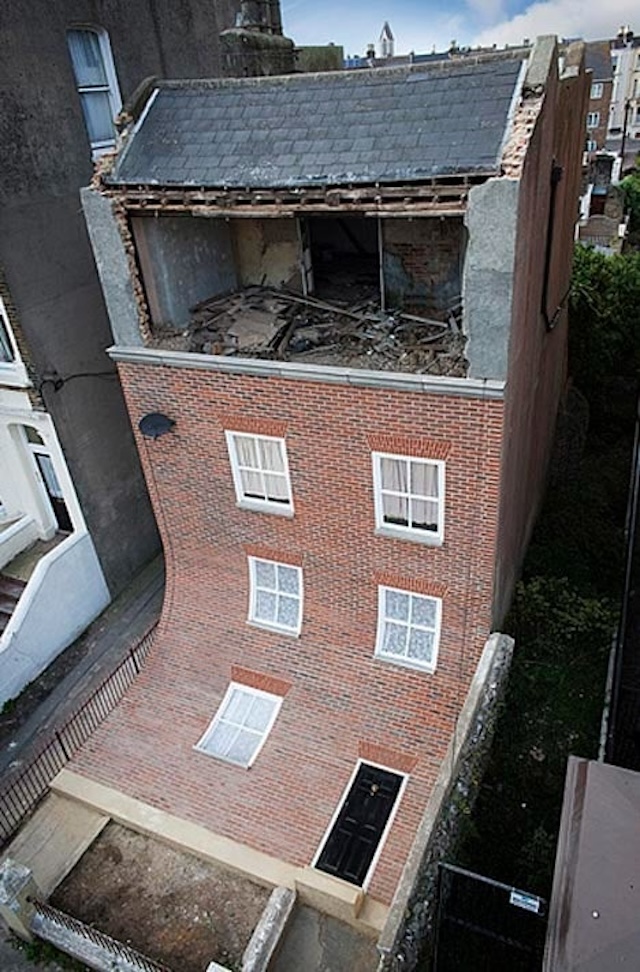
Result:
{"points": [[340, 703], [538, 358], [422, 262]]}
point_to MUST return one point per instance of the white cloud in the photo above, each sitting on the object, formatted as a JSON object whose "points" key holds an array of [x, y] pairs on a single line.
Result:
{"points": [[354, 27], [566, 18], [487, 10]]}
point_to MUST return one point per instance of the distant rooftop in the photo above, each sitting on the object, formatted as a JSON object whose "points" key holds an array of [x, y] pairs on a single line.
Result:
{"points": [[598, 60], [387, 126]]}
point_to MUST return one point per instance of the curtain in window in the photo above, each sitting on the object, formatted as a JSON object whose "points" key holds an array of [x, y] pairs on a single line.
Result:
{"points": [[394, 478], [424, 493], [272, 462]]}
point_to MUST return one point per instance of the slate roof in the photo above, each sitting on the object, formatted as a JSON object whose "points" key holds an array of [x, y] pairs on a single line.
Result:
{"points": [[598, 59], [397, 125]]}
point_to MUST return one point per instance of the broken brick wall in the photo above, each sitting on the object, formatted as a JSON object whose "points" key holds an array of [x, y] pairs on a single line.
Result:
{"points": [[267, 252], [423, 261]]}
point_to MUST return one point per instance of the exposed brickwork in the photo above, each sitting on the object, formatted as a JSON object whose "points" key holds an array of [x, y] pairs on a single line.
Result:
{"points": [[409, 445], [392, 759], [258, 680], [340, 694], [295, 558], [23, 350], [265, 425], [422, 260], [413, 584]]}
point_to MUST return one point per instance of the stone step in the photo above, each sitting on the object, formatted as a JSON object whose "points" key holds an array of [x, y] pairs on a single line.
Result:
{"points": [[54, 840], [11, 587]]}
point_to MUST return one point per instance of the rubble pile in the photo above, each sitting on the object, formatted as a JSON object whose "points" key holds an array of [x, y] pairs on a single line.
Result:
{"points": [[262, 322]]}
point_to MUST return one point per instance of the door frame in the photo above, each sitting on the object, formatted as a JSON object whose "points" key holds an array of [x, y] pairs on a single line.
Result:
{"points": [[404, 779]]}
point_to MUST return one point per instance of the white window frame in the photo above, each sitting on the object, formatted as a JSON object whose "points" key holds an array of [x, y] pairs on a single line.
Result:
{"points": [[7, 340], [201, 745], [254, 589], [593, 119], [597, 89], [385, 833], [404, 660], [591, 145], [111, 87], [431, 537], [252, 502]]}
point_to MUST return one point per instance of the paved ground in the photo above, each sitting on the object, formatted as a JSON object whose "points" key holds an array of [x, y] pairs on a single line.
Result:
{"points": [[318, 943]]}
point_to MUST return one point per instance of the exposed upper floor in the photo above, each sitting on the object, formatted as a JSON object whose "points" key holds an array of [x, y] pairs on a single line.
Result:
{"points": [[374, 216]]}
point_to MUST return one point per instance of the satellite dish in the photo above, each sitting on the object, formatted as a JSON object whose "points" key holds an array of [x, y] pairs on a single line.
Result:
{"points": [[155, 424]]}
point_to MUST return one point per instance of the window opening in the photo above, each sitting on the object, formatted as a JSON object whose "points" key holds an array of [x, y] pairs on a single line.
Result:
{"points": [[408, 627], [409, 496], [97, 85], [241, 725], [260, 471], [276, 595]]}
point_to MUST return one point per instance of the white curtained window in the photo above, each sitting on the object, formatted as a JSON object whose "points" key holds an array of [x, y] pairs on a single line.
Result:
{"points": [[260, 472], [408, 627], [276, 595], [241, 725], [409, 496]]}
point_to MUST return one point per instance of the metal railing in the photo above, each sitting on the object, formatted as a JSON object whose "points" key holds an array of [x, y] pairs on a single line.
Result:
{"points": [[20, 794], [113, 948]]}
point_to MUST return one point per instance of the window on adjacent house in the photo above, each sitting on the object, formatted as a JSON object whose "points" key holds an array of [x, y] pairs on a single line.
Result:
{"points": [[596, 89], [591, 145], [7, 354], [593, 119], [408, 628], [97, 85], [276, 595], [409, 496], [260, 472], [241, 725]]}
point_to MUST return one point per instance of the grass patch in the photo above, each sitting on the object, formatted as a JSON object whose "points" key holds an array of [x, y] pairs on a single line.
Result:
{"points": [[45, 954], [562, 619]]}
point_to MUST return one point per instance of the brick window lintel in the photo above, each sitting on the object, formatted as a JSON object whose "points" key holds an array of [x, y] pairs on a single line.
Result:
{"points": [[429, 588], [259, 680], [414, 446]]}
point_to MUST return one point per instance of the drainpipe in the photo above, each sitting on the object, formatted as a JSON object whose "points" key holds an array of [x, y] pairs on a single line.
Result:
{"points": [[550, 322]]}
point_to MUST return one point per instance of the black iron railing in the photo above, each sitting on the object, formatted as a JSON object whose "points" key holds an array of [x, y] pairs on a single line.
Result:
{"points": [[113, 948], [20, 793]]}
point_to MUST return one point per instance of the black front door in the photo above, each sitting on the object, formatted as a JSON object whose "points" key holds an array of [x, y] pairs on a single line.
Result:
{"points": [[352, 843]]}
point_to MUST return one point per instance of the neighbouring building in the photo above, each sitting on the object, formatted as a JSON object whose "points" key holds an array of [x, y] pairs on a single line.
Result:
{"points": [[70, 478], [599, 63], [624, 113], [625, 99], [338, 306]]}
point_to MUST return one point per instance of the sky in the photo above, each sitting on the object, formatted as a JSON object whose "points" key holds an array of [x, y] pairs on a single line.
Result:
{"points": [[419, 25]]}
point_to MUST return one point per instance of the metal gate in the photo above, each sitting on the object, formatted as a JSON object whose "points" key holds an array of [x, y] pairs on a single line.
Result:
{"points": [[485, 926]]}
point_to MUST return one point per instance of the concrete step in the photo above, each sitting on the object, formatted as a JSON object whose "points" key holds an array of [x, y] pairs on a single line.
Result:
{"points": [[54, 840], [11, 587]]}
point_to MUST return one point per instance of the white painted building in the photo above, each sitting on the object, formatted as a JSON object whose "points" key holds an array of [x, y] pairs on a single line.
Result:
{"points": [[65, 589], [625, 100]]}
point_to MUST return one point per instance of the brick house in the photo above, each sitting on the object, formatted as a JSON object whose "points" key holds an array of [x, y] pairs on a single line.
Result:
{"points": [[347, 484], [598, 62]]}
